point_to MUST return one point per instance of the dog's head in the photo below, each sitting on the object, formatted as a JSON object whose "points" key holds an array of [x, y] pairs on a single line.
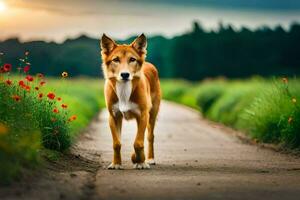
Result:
{"points": [[123, 62]]}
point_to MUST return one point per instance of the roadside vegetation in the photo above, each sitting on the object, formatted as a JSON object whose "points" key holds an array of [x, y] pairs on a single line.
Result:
{"points": [[39, 114], [266, 109]]}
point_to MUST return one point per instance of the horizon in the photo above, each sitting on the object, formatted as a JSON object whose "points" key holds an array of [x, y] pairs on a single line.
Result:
{"points": [[40, 20]]}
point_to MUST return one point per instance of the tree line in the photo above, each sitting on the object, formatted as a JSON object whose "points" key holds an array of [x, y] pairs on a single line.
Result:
{"points": [[194, 55]]}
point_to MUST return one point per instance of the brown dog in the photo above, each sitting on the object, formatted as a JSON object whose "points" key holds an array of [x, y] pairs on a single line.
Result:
{"points": [[132, 91]]}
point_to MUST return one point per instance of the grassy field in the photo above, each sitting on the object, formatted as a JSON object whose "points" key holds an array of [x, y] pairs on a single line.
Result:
{"points": [[37, 114], [266, 109]]}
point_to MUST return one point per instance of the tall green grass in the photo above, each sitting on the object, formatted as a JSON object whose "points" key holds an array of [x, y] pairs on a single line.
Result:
{"points": [[38, 113], [265, 109]]}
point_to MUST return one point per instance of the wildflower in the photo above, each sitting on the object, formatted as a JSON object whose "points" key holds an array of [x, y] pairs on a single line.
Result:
{"points": [[1, 53], [58, 98], [40, 95], [294, 100], [17, 98], [55, 110], [8, 82], [40, 75], [21, 83], [2, 69], [36, 88], [3, 129], [72, 118], [28, 63], [64, 106], [290, 120], [22, 60], [26, 68], [29, 78], [64, 74], [7, 67], [27, 88], [51, 95], [53, 119], [42, 83], [26, 53], [285, 80]]}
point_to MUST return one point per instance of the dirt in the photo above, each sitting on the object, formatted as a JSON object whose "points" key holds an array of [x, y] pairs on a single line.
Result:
{"points": [[195, 159]]}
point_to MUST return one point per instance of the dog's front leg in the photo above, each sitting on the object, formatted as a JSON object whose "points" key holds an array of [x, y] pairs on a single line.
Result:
{"points": [[115, 123], [138, 157]]}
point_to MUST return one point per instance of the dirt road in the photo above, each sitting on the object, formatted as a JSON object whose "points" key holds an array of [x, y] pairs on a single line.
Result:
{"points": [[195, 160]]}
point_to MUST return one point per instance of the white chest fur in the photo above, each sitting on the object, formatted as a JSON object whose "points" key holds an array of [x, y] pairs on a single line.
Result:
{"points": [[124, 104]]}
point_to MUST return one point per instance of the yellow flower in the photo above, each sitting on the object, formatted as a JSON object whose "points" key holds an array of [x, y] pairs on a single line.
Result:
{"points": [[290, 120], [64, 74], [294, 100], [3, 129]]}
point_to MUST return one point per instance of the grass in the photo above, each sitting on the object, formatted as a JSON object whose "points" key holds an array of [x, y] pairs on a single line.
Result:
{"points": [[265, 109], [37, 114]]}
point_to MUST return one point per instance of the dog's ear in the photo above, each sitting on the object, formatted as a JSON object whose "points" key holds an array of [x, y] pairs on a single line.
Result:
{"points": [[140, 44], [107, 44]]}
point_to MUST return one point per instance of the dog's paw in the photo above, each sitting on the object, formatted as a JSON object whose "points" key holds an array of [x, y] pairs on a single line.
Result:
{"points": [[141, 166], [115, 166], [151, 161]]}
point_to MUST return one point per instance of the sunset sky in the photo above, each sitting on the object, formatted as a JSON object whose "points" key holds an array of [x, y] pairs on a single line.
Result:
{"points": [[59, 19]]}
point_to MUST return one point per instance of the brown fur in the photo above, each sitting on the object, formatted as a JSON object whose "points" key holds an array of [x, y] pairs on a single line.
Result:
{"points": [[145, 93]]}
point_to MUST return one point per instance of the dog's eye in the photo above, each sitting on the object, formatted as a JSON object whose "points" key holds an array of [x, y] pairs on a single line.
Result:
{"points": [[116, 60], [132, 59]]}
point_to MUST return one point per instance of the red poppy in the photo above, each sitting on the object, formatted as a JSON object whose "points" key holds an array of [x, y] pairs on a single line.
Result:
{"points": [[7, 67], [26, 68], [72, 118], [21, 83], [27, 88], [8, 82], [16, 98], [29, 78], [51, 95], [58, 98], [55, 110], [40, 95], [42, 83], [36, 88], [40, 75], [64, 106]]}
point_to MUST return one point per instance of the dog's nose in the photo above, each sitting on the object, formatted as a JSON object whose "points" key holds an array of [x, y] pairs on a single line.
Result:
{"points": [[125, 75]]}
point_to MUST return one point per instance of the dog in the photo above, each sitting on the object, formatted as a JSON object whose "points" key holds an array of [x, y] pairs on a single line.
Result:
{"points": [[132, 91]]}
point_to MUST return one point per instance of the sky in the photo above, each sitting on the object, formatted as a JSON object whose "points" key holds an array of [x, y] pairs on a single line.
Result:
{"points": [[56, 20]]}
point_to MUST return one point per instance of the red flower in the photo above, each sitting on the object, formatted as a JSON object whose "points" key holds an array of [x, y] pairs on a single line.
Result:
{"points": [[36, 88], [7, 67], [29, 78], [42, 83], [40, 95], [64, 106], [16, 98], [72, 118], [55, 110], [51, 95], [21, 83], [26, 68], [39, 75], [27, 88], [8, 82], [58, 98]]}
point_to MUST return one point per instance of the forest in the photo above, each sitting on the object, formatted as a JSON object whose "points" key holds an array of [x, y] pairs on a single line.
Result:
{"points": [[194, 55]]}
